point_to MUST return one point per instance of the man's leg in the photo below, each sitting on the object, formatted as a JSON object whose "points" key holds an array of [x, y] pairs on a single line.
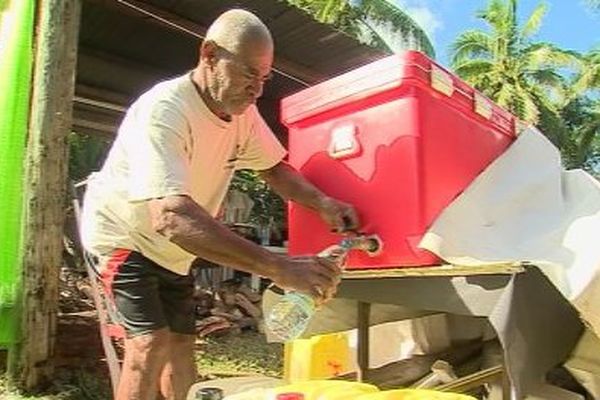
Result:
{"points": [[179, 372], [145, 357], [133, 282]]}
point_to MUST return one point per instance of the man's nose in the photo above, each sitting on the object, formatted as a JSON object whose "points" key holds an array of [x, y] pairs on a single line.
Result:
{"points": [[256, 88]]}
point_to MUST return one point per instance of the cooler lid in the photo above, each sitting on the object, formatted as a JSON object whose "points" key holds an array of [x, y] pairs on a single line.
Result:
{"points": [[383, 75], [365, 81]]}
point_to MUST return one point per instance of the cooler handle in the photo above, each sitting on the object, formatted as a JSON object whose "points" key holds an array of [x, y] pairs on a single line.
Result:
{"points": [[343, 141], [483, 106], [441, 80]]}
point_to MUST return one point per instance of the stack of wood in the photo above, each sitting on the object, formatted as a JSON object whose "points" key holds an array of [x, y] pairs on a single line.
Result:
{"points": [[231, 308]]}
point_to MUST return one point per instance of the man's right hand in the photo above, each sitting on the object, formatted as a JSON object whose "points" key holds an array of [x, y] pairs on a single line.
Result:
{"points": [[315, 276]]}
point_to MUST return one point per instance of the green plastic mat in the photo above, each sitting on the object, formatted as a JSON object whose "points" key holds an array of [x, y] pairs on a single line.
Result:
{"points": [[16, 38]]}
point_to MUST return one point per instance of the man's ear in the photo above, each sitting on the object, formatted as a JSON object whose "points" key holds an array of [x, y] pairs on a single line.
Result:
{"points": [[208, 52]]}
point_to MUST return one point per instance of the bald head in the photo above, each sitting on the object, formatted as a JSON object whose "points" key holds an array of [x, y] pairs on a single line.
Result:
{"points": [[237, 29], [236, 58]]}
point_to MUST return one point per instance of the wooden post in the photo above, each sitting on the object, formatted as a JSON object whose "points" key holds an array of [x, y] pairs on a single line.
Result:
{"points": [[31, 359], [364, 316]]}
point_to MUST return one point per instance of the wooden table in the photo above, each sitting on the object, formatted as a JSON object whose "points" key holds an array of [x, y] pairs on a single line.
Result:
{"points": [[536, 326]]}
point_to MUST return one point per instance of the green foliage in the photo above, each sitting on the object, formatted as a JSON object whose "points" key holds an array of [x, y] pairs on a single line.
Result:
{"points": [[581, 140], [576, 124], [86, 154], [588, 78], [538, 82], [506, 65], [378, 23], [268, 206]]}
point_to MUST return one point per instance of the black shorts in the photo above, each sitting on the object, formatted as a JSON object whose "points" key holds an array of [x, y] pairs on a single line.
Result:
{"points": [[147, 296]]}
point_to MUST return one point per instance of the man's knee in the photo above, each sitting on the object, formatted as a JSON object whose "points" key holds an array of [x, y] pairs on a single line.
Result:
{"points": [[149, 346], [181, 341]]}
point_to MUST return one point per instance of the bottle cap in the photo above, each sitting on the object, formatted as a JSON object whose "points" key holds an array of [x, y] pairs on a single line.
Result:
{"points": [[209, 393], [290, 396]]}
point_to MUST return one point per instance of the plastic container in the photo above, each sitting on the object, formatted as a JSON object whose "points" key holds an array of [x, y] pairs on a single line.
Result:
{"points": [[233, 388], [320, 357], [414, 394], [290, 396], [209, 393], [328, 389], [399, 139]]}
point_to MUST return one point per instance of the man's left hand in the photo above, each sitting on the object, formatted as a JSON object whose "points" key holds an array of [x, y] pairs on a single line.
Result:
{"points": [[340, 216]]}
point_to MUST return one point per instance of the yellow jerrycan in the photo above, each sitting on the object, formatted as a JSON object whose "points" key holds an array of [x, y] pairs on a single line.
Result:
{"points": [[327, 389], [414, 394]]}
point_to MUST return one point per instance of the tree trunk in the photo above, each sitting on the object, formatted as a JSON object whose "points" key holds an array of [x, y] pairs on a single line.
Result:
{"points": [[31, 360]]}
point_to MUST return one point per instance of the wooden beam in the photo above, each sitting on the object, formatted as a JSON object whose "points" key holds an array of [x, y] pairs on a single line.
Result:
{"points": [[82, 125], [155, 15], [116, 99], [97, 68], [31, 362], [437, 270]]}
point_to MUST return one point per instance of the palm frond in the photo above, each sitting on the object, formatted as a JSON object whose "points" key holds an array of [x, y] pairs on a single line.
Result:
{"points": [[494, 13], [534, 22], [585, 144], [529, 108], [543, 54], [547, 77], [592, 120], [473, 70], [375, 22], [589, 74], [471, 44], [331, 10], [505, 97], [385, 18]]}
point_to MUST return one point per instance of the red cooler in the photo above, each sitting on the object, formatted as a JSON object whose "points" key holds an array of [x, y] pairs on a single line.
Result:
{"points": [[399, 139]]}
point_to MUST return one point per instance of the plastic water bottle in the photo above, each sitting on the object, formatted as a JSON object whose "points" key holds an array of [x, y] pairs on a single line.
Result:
{"points": [[289, 318], [291, 315]]}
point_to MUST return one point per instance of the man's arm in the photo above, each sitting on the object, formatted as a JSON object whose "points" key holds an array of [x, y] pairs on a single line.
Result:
{"points": [[189, 226], [291, 185]]}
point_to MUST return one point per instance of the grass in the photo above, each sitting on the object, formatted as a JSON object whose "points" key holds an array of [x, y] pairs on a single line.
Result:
{"points": [[245, 354], [68, 385], [232, 355]]}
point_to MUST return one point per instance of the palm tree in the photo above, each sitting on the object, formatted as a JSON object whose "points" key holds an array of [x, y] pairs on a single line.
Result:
{"points": [[506, 65], [580, 132], [589, 72], [376, 22], [581, 114]]}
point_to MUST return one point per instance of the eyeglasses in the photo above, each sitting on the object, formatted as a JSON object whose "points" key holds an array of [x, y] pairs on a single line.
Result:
{"points": [[249, 73]]}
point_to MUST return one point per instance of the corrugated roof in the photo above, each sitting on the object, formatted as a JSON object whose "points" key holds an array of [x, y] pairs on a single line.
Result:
{"points": [[123, 50]]}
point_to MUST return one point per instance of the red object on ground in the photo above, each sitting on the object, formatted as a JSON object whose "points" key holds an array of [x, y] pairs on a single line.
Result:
{"points": [[290, 396], [399, 139]]}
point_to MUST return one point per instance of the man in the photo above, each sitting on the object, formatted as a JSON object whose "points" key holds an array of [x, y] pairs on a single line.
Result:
{"points": [[150, 210]]}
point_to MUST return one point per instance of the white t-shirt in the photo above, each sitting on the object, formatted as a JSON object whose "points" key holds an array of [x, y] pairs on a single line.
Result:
{"points": [[169, 143]]}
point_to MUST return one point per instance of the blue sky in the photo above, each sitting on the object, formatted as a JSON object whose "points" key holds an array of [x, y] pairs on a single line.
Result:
{"points": [[568, 23]]}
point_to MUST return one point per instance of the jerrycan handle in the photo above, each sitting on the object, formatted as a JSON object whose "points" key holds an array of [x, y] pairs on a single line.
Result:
{"points": [[343, 141]]}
